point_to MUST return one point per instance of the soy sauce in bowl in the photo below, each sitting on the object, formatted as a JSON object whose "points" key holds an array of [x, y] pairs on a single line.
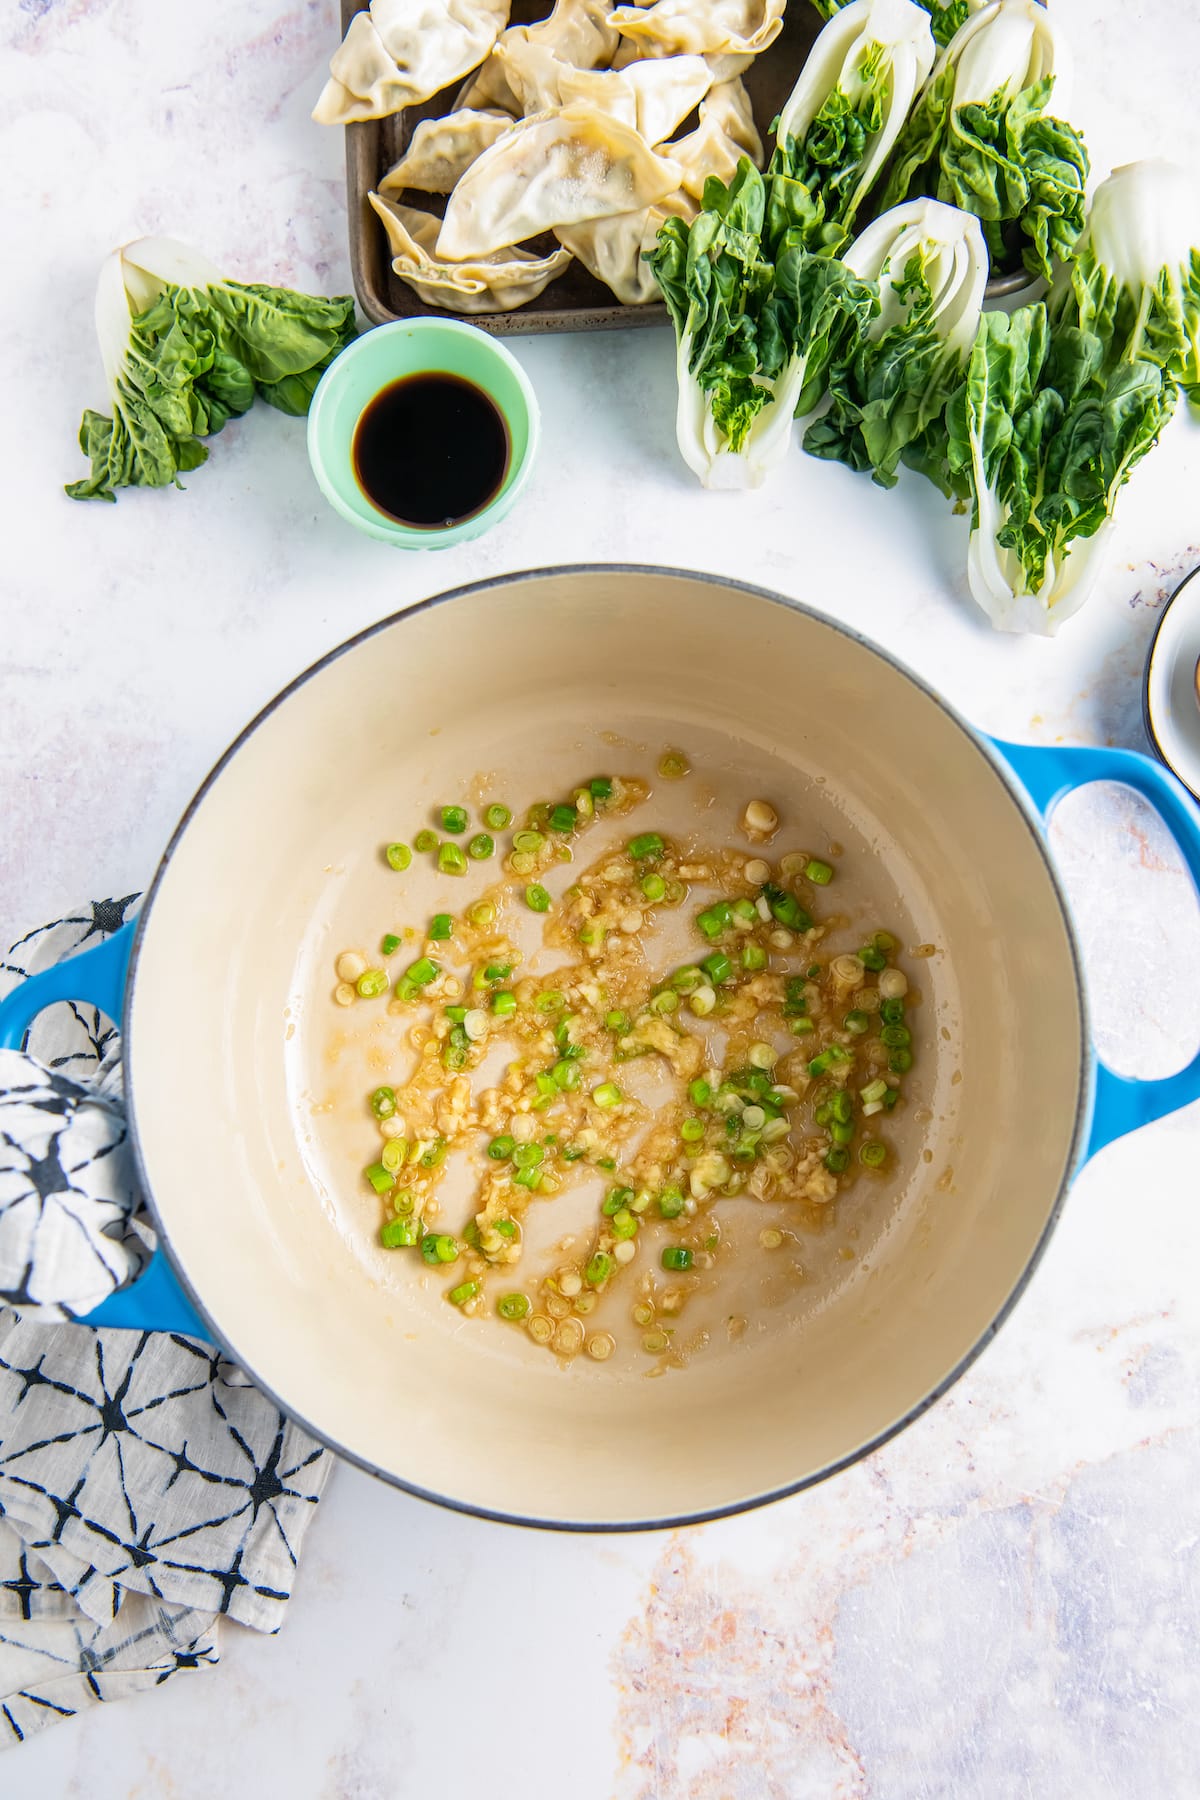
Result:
{"points": [[431, 450]]}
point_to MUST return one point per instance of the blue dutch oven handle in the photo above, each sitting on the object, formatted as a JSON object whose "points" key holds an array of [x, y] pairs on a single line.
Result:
{"points": [[96, 977], [1122, 1103]]}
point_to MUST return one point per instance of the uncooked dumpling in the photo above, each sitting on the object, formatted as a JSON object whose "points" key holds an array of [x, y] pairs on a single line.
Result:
{"points": [[553, 169], [442, 150], [725, 134], [614, 249], [496, 283], [577, 33], [400, 52], [650, 97], [698, 27]]}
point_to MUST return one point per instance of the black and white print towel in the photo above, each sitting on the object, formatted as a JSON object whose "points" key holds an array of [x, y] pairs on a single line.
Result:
{"points": [[145, 1486]]}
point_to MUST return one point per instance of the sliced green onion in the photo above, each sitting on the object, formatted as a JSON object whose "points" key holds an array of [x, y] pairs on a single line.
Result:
{"points": [[841, 1134], [389, 944], [607, 1094], [837, 1160], [896, 1037], [599, 1269], [481, 847], [692, 1130], [454, 818], [873, 1154], [400, 1234], [900, 1062], [497, 817], [624, 1224], [670, 1203], [429, 1249], [665, 1002], [511, 1306], [819, 872], [676, 1256], [551, 1000], [381, 1179], [717, 967], [841, 1106], [563, 818], [528, 1178], [872, 959], [482, 913], [687, 979], [700, 1092], [528, 842], [874, 1091], [714, 919], [566, 1074], [883, 940], [646, 845], [451, 860], [536, 898], [466, 1290], [441, 927], [383, 1102], [654, 887], [498, 971], [673, 765], [456, 1014], [618, 1022], [786, 908], [528, 1156], [600, 787], [398, 856], [616, 1199], [435, 1154], [425, 840], [857, 1022], [801, 1027], [502, 1147], [744, 909], [504, 1003], [892, 1012], [393, 1154], [753, 957], [422, 972], [372, 982]]}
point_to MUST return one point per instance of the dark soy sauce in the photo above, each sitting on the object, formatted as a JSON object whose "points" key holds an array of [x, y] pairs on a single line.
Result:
{"points": [[431, 450]]}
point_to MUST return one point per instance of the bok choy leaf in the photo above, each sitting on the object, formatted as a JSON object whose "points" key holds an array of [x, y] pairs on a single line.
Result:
{"points": [[945, 16], [889, 389], [981, 137], [755, 332], [843, 116], [184, 351], [1063, 399]]}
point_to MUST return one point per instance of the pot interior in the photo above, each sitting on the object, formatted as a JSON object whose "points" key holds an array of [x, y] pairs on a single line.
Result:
{"points": [[248, 1083]]}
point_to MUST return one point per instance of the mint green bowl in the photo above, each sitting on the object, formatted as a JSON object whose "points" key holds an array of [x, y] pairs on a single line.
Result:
{"points": [[386, 354]]}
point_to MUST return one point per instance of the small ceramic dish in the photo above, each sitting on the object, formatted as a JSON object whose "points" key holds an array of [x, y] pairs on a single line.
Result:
{"points": [[1170, 701], [387, 354]]}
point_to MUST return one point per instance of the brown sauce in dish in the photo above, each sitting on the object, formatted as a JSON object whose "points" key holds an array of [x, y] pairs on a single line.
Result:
{"points": [[431, 450]]}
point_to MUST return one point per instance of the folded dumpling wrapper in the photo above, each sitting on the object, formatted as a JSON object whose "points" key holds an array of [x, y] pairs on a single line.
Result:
{"points": [[553, 169], [701, 27], [495, 283], [442, 150], [614, 249], [400, 52], [576, 31], [725, 134], [649, 96]]}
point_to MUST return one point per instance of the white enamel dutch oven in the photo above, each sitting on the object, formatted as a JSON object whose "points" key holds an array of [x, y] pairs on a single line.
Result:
{"points": [[246, 1084]]}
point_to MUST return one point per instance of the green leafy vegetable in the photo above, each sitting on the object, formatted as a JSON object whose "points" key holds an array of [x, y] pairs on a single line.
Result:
{"points": [[184, 351], [1063, 399], [890, 387], [843, 116], [980, 138], [755, 334]]}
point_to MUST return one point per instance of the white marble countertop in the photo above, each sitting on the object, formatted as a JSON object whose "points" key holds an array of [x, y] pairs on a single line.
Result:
{"points": [[1002, 1602]]}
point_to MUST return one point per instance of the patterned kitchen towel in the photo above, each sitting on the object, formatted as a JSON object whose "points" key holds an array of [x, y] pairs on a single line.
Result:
{"points": [[145, 1486]]}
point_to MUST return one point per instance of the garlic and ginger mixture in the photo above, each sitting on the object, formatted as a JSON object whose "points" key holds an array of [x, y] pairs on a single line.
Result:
{"points": [[779, 1064]]}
